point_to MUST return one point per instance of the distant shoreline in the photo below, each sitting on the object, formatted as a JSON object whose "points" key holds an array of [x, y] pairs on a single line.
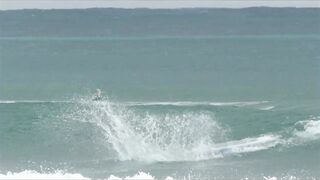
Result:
{"points": [[160, 23], [157, 9]]}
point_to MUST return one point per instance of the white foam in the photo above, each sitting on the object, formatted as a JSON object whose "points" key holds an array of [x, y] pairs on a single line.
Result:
{"points": [[59, 175], [270, 178], [34, 175], [156, 103], [246, 145], [138, 176], [143, 136], [194, 103], [113, 177], [282, 178], [30, 174], [177, 136], [169, 178], [267, 108], [30, 101], [7, 102], [309, 129]]}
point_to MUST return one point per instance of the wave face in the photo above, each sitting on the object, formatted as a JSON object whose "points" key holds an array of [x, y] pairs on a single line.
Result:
{"points": [[84, 138]]}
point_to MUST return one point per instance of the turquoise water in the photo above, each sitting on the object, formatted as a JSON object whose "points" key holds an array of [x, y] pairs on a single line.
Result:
{"points": [[203, 98]]}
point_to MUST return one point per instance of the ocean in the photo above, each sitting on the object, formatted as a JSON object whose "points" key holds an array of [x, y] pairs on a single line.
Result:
{"points": [[186, 94]]}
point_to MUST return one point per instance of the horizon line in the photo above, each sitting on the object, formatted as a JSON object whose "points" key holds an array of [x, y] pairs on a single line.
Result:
{"points": [[163, 8], [154, 4]]}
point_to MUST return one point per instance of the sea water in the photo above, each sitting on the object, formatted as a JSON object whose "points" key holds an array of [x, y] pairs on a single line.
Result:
{"points": [[187, 94]]}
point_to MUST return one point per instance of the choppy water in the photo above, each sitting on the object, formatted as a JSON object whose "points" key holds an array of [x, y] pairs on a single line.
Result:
{"points": [[180, 139], [215, 106]]}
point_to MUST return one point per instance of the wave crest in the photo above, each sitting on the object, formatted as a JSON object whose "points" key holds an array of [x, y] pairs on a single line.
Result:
{"points": [[30, 174], [145, 136], [308, 129], [176, 135]]}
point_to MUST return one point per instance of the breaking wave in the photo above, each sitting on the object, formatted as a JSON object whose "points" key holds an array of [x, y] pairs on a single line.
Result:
{"points": [[174, 135], [192, 103], [34, 175], [306, 130], [31, 174], [156, 103]]}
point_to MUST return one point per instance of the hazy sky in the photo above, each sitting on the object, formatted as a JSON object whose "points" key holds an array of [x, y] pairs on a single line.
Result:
{"points": [[70, 4]]}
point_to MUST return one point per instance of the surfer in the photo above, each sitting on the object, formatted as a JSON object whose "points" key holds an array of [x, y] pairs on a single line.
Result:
{"points": [[97, 96]]}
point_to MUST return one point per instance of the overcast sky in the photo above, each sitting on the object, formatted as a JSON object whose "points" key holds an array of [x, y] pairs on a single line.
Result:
{"points": [[71, 4]]}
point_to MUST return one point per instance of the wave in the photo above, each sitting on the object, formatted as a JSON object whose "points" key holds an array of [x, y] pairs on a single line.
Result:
{"points": [[267, 108], [7, 102], [34, 175], [306, 130], [173, 135], [30, 101], [303, 132], [246, 145], [30, 174], [156, 103], [138, 176], [193, 103]]}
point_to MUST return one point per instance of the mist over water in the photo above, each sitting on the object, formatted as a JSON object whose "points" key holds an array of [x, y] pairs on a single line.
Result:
{"points": [[190, 94]]}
